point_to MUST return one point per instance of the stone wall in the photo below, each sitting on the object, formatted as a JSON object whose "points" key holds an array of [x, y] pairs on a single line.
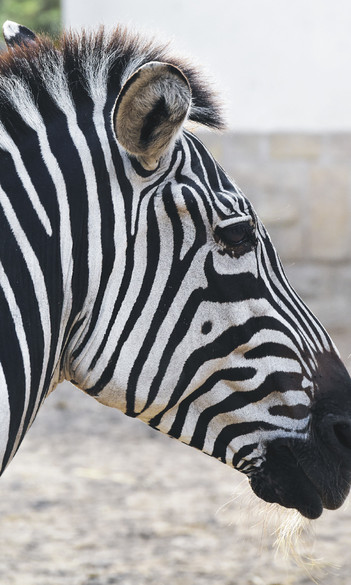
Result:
{"points": [[300, 186]]}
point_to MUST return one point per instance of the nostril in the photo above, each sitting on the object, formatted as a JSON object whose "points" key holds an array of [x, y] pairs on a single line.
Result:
{"points": [[342, 432]]}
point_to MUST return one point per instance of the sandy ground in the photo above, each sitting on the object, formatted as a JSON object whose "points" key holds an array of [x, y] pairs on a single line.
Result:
{"points": [[94, 498]]}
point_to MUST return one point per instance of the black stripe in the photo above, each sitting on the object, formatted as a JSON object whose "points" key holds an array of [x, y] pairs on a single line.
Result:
{"points": [[227, 374], [231, 432]]}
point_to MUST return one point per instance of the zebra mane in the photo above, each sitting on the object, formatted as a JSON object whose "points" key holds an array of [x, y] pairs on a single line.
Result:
{"points": [[96, 62]]}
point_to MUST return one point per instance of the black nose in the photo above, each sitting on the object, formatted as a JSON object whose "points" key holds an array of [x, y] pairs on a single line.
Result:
{"points": [[340, 433], [333, 431], [331, 409]]}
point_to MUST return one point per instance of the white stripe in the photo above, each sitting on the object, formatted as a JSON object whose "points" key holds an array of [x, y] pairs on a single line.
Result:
{"points": [[7, 144], [120, 236], [56, 84], [22, 101], [10, 29], [38, 281], [270, 278], [4, 415], [23, 344]]}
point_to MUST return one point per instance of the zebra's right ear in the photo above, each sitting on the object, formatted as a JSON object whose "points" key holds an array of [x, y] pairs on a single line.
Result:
{"points": [[16, 34], [150, 111]]}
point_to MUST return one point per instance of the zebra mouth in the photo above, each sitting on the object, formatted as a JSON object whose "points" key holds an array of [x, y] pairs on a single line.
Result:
{"points": [[296, 475]]}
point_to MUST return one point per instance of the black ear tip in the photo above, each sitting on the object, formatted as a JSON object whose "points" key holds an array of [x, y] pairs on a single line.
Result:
{"points": [[16, 34]]}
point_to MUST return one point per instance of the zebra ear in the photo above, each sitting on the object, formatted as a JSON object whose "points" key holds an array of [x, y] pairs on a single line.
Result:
{"points": [[150, 110], [16, 34]]}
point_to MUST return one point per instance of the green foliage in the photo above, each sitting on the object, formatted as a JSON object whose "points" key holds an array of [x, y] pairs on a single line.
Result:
{"points": [[38, 15]]}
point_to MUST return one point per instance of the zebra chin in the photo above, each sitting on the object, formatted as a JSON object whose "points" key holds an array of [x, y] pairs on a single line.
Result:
{"points": [[313, 473]]}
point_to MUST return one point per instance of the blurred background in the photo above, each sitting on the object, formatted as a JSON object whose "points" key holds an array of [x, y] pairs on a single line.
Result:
{"points": [[38, 15], [94, 498]]}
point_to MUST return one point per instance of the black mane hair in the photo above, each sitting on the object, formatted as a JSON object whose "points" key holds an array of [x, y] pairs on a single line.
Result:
{"points": [[89, 58]]}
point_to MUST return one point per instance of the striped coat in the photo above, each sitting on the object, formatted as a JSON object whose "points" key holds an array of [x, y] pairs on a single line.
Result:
{"points": [[131, 265]]}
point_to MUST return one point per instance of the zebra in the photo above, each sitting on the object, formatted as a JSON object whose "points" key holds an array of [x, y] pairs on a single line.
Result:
{"points": [[134, 267]]}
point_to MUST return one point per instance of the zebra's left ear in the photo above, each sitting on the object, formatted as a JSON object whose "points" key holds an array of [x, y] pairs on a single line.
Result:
{"points": [[16, 34], [150, 110]]}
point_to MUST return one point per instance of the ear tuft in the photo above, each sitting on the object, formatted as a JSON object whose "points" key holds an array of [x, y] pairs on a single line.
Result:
{"points": [[150, 111], [16, 34]]}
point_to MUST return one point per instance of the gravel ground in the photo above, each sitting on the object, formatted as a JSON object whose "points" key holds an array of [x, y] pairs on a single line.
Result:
{"points": [[94, 498]]}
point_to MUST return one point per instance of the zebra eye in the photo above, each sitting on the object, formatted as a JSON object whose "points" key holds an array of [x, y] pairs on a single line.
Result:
{"points": [[237, 238], [234, 234]]}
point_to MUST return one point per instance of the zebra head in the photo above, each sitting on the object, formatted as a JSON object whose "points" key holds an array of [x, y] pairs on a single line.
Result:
{"points": [[175, 307]]}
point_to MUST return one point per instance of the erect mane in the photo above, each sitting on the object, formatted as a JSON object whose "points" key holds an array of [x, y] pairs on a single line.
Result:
{"points": [[95, 62]]}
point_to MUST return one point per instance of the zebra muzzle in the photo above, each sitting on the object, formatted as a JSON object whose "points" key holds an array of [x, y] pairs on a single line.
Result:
{"points": [[313, 472], [308, 475], [282, 480]]}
